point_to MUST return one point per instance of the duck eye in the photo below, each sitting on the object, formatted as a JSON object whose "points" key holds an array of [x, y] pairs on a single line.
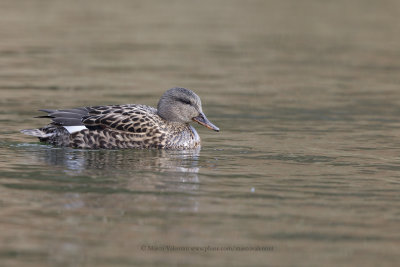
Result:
{"points": [[185, 101]]}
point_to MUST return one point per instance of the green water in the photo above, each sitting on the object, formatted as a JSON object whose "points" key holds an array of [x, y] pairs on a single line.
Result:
{"points": [[306, 94]]}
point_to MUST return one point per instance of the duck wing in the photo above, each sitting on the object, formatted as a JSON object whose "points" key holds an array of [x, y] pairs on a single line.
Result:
{"points": [[65, 117], [126, 118]]}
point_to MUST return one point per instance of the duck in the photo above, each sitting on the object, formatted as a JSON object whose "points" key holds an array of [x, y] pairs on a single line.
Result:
{"points": [[128, 126]]}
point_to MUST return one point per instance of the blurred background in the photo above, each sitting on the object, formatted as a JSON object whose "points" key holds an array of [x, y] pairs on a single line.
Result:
{"points": [[306, 94]]}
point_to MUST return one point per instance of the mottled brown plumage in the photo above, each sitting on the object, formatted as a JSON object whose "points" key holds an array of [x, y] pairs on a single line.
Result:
{"points": [[128, 126]]}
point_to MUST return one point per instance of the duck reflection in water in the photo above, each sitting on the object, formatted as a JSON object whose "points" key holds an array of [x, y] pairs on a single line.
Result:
{"points": [[170, 170]]}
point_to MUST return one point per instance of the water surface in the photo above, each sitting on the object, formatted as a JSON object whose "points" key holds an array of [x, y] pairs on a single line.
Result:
{"points": [[306, 94]]}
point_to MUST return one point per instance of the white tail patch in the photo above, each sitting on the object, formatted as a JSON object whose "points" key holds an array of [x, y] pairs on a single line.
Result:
{"points": [[74, 129]]}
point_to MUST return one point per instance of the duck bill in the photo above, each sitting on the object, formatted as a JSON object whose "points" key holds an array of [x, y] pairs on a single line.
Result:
{"points": [[202, 119]]}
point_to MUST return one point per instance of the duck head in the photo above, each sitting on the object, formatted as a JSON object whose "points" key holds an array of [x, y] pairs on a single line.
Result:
{"points": [[183, 105]]}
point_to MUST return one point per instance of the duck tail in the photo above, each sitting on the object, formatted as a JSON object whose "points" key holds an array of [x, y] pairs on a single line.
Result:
{"points": [[36, 132]]}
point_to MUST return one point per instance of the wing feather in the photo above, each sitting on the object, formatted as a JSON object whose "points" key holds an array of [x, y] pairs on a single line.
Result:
{"points": [[65, 117], [127, 118]]}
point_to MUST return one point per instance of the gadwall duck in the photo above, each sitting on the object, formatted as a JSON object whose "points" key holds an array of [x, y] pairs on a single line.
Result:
{"points": [[128, 126]]}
